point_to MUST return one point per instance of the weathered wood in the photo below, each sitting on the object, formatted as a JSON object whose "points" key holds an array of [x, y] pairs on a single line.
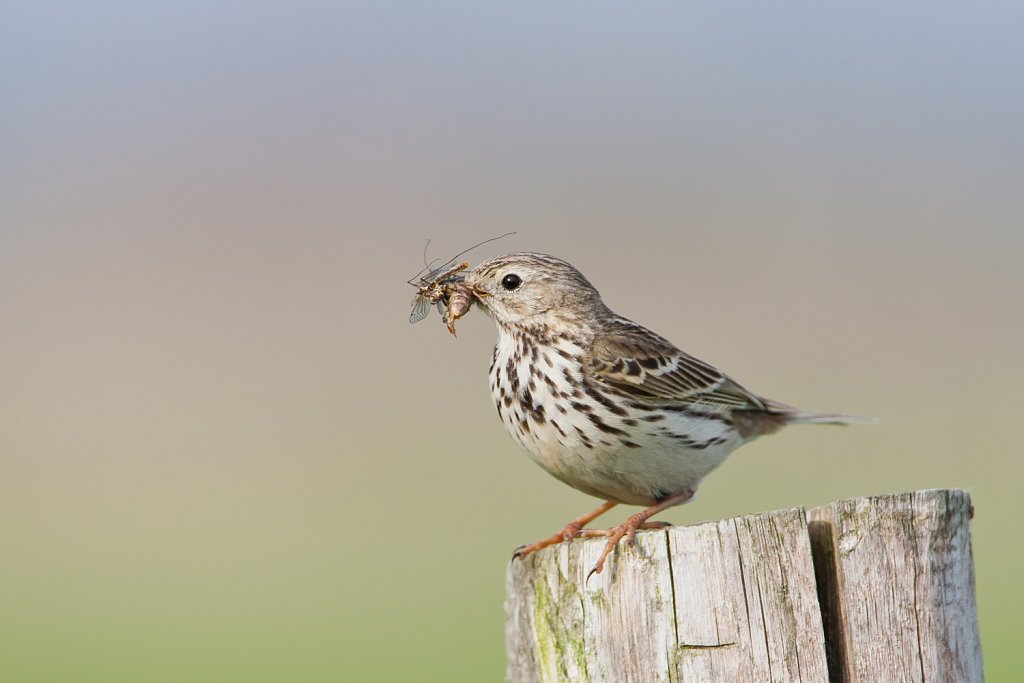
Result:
{"points": [[738, 600], [898, 587], [731, 600]]}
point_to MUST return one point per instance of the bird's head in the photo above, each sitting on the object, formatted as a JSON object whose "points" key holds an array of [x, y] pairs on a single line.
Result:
{"points": [[527, 288]]}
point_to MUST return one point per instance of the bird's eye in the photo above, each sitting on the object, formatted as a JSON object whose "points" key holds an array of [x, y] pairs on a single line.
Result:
{"points": [[511, 281]]}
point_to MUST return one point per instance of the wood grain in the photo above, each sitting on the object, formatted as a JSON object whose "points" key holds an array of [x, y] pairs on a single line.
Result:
{"points": [[870, 589], [732, 600], [902, 572]]}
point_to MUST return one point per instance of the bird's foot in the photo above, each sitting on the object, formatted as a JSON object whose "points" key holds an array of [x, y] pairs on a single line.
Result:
{"points": [[637, 521], [568, 532], [573, 529], [615, 534], [605, 533]]}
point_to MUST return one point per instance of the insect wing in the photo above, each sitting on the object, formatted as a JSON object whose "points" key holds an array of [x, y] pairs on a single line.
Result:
{"points": [[420, 309], [444, 275]]}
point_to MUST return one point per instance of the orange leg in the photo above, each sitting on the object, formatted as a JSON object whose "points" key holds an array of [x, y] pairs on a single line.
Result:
{"points": [[568, 532], [605, 533], [629, 527]]}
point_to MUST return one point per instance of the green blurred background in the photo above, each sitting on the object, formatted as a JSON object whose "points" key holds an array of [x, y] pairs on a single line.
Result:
{"points": [[224, 453]]}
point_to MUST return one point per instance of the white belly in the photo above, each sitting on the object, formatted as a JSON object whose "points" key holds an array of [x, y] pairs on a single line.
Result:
{"points": [[637, 458]]}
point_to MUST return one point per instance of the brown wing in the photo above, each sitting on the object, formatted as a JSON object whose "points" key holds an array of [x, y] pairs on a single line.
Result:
{"points": [[639, 363]]}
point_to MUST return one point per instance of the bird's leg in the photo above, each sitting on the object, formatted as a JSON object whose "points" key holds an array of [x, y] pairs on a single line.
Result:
{"points": [[605, 533], [637, 521], [568, 532]]}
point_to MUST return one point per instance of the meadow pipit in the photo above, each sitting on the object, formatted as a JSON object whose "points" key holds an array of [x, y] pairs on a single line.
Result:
{"points": [[604, 404]]}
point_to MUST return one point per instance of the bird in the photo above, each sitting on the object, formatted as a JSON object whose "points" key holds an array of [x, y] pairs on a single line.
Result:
{"points": [[604, 404]]}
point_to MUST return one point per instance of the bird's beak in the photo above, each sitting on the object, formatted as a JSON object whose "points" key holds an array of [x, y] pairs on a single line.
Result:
{"points": [[479, 292]]}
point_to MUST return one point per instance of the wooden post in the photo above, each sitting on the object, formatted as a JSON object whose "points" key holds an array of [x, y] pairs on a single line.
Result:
{"points": [[896, 581], [738, 600]]}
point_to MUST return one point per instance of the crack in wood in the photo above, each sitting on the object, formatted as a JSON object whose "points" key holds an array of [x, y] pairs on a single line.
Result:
{"points": [[867, 589]]}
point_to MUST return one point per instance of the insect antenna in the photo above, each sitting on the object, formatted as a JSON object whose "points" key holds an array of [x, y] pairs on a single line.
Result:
{"points": [[427, 267]]}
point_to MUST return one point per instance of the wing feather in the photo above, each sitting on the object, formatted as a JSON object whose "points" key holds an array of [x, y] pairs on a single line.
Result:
{"points": [[639, 363]]}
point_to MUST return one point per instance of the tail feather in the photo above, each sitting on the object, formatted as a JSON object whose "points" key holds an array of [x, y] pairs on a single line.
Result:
{"points": [[795, 416], [799, 417], [773, 415]]}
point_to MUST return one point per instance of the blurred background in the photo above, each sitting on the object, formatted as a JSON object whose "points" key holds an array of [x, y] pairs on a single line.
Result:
{"points": [[226, 455]]}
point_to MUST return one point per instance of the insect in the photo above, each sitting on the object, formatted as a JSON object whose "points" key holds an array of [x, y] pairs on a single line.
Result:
{"points": [[442, 286], [436, 288], [460, 300]]}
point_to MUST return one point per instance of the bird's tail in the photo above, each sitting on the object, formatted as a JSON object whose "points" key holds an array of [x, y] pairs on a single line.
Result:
{"points": [[800, 417], [794, 416]]}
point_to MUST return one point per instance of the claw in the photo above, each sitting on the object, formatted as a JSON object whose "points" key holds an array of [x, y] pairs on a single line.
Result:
{"points": [[614, 536], [637, 521], [567, 533]]}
